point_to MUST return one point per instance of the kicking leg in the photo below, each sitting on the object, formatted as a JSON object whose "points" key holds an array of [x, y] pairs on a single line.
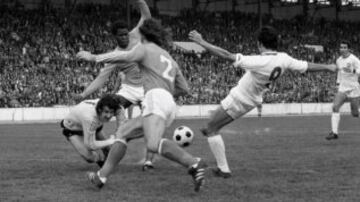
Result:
{"points": [[354, 105], [154, 127], [225, 114], [132, 129]]}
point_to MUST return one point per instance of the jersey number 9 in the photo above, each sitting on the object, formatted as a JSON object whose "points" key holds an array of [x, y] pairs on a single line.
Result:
{"points": [[276, 72]]}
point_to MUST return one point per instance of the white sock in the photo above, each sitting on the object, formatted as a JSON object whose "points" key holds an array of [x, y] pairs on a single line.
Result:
{"points": [[217, 147], [147, 162], [335, 120], [102, 179]]}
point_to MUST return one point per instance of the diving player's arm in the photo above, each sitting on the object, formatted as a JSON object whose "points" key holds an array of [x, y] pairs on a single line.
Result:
{"points": [[197, 38], [99, 80], [90, 137]]}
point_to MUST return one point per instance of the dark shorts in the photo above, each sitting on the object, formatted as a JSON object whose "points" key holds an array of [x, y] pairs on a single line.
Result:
{"points": [[68, 133]]}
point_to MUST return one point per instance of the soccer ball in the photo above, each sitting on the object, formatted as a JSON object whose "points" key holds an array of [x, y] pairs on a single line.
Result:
{"points": [[183, 136]]}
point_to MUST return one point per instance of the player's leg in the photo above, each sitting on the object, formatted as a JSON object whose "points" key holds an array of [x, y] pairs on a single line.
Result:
{"points": [[101, 136], [154, 127], [354, 106], [130, 111], [339, 100], [132, 129], [148, 163], [259, 109], [90, 156], [229, 110]]}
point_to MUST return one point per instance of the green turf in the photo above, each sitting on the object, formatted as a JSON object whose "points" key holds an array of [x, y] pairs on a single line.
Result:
{"points": [[272, 159]]}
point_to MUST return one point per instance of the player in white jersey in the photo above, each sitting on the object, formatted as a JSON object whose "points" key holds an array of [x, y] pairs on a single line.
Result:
{"points": [[261, 71], [82, 127], [132, 91], [348, 66], [163, 81]]}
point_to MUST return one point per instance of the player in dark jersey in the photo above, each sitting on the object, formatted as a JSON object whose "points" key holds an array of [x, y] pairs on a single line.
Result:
{"points": [[162, 81]]}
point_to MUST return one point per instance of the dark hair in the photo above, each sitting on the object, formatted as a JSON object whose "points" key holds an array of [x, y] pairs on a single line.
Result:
{"points": [[154, 32], [120, 24], [345, 42], [268, 37], [109, 100]]}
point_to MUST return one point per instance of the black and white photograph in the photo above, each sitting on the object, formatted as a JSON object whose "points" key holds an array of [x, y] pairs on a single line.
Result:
{"points": [[180, 100]]}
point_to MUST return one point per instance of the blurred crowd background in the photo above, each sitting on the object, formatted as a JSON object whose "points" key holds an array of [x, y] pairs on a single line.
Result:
{"points": [[38, 47]]}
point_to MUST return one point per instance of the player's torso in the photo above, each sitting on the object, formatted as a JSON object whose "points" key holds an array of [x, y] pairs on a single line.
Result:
{"points": [[85, 111], [159, 69], [347, 73], [132, 72], [260, 79]]}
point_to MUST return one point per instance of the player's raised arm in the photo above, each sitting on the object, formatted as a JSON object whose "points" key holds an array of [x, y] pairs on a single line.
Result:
{"points": [[197, 38], [144, 11]]}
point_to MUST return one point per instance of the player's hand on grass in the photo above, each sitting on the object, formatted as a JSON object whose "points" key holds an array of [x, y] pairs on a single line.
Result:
{"points": [[86, 55], [195, 36]]}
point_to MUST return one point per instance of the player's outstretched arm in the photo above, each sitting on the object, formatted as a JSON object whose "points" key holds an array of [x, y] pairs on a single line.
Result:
{"points": [[197, 38], [321, 67], [99, 81], [133, 55]]}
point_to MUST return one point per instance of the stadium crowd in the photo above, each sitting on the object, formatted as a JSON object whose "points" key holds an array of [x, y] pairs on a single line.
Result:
{"points": [[38, 66]]}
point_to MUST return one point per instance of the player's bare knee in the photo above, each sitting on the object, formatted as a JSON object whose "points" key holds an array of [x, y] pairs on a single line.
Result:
{"points": [[335, 108]]}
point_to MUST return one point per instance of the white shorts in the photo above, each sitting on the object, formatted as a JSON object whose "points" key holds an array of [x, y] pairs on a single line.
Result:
{"points": [[160, 102], [352, 93], [134, 94], [235, 107]]}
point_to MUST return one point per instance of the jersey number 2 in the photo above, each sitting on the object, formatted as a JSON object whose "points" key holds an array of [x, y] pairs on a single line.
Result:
{"points": [[166, 73]]}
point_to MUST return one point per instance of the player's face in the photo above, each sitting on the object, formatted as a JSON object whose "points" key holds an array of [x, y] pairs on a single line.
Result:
{"points": [[122, 37], [344, 49], [106, 114]]}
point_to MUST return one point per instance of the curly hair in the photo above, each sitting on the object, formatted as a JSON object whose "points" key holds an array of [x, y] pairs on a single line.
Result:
{"points": [[110, 100], [154, 32], [120, 24]]}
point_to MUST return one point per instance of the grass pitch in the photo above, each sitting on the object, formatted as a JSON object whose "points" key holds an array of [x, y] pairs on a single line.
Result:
{"points": [[272, 159]]}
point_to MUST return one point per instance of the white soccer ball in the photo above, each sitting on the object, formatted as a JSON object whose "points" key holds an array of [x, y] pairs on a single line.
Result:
{"points": [[183, 136]]}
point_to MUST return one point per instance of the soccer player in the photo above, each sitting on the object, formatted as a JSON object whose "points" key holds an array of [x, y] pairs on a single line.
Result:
{"points": [[348, 66], [261, 71], [132, 91], [82, 127], [163, 80]]}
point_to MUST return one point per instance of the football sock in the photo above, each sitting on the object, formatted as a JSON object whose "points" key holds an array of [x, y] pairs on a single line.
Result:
{"points": [[217, 147], [172, 151], [116, 153], [102, 179], [335, 120]]}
